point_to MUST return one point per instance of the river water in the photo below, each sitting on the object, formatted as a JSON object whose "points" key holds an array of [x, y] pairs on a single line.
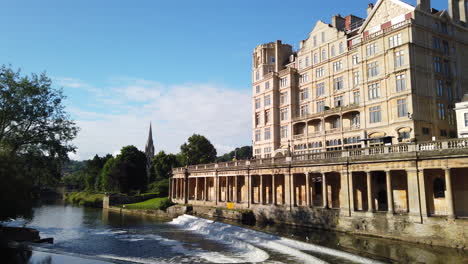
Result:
{"points": [[95, 236]]}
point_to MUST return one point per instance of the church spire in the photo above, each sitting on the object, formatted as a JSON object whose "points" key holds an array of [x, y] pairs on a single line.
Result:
{"points": [[149, 151]]}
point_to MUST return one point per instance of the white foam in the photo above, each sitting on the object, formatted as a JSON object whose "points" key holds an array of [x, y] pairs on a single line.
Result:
{"points": [[133, 259], [111, 232], [239, 236]]}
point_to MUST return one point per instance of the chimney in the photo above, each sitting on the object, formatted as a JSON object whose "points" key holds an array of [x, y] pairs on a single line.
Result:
{"points": [[338, 22], [424, 5], [369, 8], [277, 58], [454, 11]]}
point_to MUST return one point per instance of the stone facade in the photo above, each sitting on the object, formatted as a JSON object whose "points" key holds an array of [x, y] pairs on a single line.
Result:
{"points": [[461, 110], [391, 77], [416, 192]]}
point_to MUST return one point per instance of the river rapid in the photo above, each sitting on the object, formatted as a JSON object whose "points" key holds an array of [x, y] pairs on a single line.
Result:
{"points": [[94, 236]]}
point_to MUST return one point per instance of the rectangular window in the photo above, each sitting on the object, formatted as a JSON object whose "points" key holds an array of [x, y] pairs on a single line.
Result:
{"points": [[323, 37], [284, 114], [284, 82], [371, 49], [258, 135], [355, 78], [399, 58], [337, 66], [319, 72], [426, 131], [437, 64], [257, 119], [357, 97], [267, 150], [466, 119], [257, 89], [341, 47], [355, 59], [267, 117], [257, 76], [339, 101], [320, 106], [375, 114], [374, 91], [283, 98], [267, 100], [315, 58], [304, 94], [401, 82], [315, 41], [258, 151], [304, 78], [320, 89], [267, 135], [284, 132], [402, 111], [258, 104], [304, 110], [300, 64], [436, 43], [443, 133], [372, 69], [394, 40], [338, 83], [447, 69], [441, 111], [440, 87], [267, 85], [307, 61], [446, 47]]}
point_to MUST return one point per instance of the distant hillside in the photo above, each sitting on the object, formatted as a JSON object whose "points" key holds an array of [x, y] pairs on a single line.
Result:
{"points": [[72, 166]]}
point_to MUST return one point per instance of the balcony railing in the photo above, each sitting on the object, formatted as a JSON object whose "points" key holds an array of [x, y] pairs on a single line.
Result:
{"points": [[325, 113], [330, 156]]}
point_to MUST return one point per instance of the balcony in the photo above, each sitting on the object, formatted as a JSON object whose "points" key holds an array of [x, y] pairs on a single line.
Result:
{"points": [[325, 113]]}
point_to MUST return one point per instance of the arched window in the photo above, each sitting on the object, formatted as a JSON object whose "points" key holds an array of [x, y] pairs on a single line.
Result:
{"points": [[324, 54], [439, 188]]}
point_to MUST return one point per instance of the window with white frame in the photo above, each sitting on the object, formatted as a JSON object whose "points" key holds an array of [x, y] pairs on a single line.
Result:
{"points": [[371, 49], [303, 94], [283, 98], [258, 151], [399, 58], [332, 51], [267, 134], [339, 101], [357, 97], [304, 78], [400, 82], [284, 114], [319, 72], [337, 66], [355, 120], [315, 58], [284, 132], [267, 100], [441, 111], [355, 59], [300, 63], [372, 69], [307, 61], [258, 103], [257, 76], [356, 78], [402, 108], [324, 54], [320, 106], [375, 114], [466, 119], [374, 91], [267, 85], [437, 64], [436, 42], [338, 83], [258, 135], [257, 89], [320, 89], [284, 82], [304, 110], [341, 47], [267, 150], [257, 119], [394, 40]]}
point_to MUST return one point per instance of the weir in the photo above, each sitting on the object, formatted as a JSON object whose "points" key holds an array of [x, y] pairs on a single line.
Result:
{"points": [[415, 192]]}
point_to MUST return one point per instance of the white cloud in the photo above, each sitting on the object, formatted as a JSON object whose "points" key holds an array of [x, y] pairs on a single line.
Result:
{"points": [[220, 113]]}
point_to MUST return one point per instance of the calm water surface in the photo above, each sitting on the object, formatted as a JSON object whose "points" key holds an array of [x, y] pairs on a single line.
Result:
{"points": [[87, 235]]}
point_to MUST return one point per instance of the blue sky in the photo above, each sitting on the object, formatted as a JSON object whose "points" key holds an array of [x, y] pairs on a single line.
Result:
{"points": [[122, 64]]}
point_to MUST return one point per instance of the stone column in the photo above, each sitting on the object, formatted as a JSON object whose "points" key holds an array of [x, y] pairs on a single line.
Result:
{"points": [[351, 192], [235, 190], [260, 190], [417, 206], [249, 188], [196, 189], [293, 190], [449, 196], [307, 176], [216, 187], [226, 191], [273, 189], [370, 202], [324, 190], [186, 187], [388, 175], [205, 189], [287, 190]]}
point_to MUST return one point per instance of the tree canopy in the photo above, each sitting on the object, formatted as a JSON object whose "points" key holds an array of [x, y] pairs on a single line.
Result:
{"points": [[242, 153], [198, 150]]}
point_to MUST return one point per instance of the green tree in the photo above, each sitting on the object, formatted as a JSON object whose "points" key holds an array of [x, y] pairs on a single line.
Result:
{"points": [[126, 172], [241, 153], [198, 150], [35, 136], [162, 165]]}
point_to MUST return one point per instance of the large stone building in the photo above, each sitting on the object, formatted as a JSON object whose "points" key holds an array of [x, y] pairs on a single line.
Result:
{"points": [[461, 110], [391, 77]]}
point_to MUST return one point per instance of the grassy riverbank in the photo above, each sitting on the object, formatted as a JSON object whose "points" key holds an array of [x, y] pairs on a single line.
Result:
{"points": [[85, 199], [151, 204]]}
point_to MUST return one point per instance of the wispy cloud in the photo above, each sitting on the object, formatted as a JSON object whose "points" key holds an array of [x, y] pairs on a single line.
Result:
{"points": [[220, 113]]}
